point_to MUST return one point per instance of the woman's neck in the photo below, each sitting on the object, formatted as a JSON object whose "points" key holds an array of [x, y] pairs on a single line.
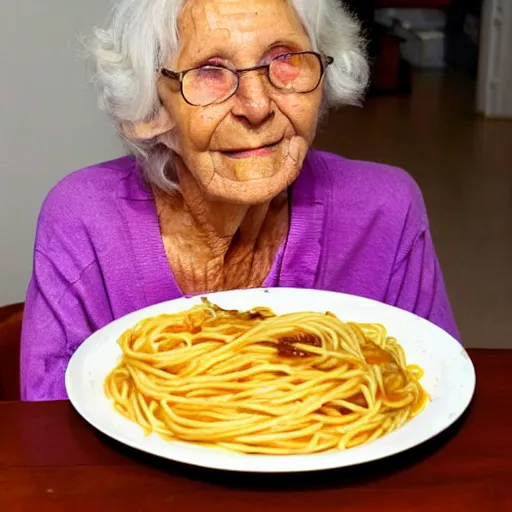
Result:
{"points": [[212, 245]]}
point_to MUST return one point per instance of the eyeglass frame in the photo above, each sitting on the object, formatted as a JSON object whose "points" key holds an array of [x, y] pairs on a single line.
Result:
{"points": [[325, 62]]}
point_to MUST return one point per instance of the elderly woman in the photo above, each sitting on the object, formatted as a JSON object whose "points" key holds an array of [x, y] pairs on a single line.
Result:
{"points": [[219, 101]]}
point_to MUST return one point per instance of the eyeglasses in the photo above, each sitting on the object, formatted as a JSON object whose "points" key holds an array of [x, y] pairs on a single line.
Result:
{"points": [[292, 73]]}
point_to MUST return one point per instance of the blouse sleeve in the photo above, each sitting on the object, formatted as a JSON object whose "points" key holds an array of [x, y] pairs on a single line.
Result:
{"points": [[416, 283], [58, 318]]}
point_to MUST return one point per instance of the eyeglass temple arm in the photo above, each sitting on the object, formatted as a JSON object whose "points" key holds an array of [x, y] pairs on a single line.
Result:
{"points": [[170, 74]]}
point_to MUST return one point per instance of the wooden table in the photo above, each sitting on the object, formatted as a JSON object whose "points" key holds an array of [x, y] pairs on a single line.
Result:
{"points": [[50, 459]]}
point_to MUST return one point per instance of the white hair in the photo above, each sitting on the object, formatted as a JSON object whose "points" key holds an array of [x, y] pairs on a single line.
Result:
{"points": [[126, 56]]}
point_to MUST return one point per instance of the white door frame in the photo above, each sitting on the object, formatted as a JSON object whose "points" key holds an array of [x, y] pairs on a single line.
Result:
{"points": [[494, 89]]}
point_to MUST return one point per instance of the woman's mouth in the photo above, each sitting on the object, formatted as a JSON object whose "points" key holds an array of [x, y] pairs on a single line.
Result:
{"points": [[252, 153]]}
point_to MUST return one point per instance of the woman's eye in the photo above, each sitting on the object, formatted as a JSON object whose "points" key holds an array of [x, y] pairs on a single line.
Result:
{"points": [[211, 74], [286, 68], [284, 57], [278, 52]]}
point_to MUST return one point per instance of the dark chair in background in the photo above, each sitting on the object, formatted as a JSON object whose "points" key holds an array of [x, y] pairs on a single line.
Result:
{"points": [[10, 336]]}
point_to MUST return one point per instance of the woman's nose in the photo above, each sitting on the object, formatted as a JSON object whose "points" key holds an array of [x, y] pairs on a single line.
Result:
{"points": [[252, 99]]}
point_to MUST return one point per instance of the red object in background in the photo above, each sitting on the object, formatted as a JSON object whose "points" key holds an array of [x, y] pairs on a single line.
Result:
{"points": [[390, 73], [386, 65], [425, 4]]}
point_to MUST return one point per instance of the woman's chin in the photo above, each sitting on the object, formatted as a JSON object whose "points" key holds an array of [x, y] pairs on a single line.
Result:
{"points": [[248, 191], [248, 168]]}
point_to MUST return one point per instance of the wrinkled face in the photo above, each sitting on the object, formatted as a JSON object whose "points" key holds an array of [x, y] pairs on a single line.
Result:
{"points": [[250, 147]]}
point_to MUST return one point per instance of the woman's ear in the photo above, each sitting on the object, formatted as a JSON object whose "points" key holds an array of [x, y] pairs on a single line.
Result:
{"points": [[160, 124]]}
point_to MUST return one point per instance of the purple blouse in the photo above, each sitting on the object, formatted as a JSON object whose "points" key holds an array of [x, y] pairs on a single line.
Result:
{"points": [[356, 227]]}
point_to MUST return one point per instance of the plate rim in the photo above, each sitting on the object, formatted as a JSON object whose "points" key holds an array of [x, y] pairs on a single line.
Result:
{"points": [[326, 460]]}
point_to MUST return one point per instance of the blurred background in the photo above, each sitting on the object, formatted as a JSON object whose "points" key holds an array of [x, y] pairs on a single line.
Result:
{"points": [[439, 106]]}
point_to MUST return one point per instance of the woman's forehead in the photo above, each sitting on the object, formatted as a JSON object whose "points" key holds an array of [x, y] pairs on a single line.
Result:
{"points": [[209, 17]]}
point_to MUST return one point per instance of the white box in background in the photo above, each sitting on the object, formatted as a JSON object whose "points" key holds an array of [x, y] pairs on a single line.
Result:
{"points": [[418, 19], [423, 48], [422, 31]]}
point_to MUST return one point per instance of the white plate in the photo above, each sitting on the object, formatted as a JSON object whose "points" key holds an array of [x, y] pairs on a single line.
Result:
{"points": [[449, 379]]}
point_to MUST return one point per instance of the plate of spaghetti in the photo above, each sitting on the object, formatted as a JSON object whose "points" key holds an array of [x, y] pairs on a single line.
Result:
{"points": [[271, 380]]}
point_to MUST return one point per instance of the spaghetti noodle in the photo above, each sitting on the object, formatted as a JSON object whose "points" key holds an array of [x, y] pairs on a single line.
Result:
{"points": [[254, 382]]}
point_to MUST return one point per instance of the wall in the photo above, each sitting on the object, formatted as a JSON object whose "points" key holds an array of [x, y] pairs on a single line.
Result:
{"points": [[49, 122]]}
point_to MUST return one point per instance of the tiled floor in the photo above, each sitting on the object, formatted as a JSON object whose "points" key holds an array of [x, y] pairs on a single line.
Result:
{"points": [[464, 166]]}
